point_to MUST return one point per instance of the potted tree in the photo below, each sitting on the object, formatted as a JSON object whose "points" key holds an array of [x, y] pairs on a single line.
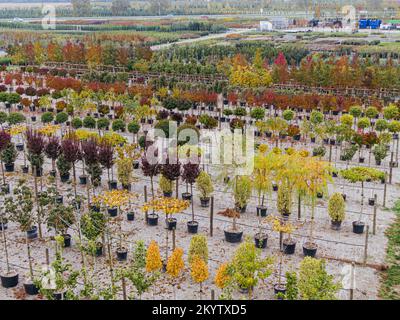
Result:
{"points": [[242, 189], [60, 218], [205, 187], [318, 174], [93, 224], [53, 151], [248, 267], [63, 167], [20, 208], [5, 139], [380, 152], [190, 173], [166, 186], [336, 210], [199, 272], [8, 156], [314, 283], [233, 234], [284, 200], [361, 174], [106, 159]]}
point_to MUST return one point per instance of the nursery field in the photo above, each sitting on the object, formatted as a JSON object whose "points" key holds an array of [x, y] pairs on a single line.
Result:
{"points": [[228, 170]]}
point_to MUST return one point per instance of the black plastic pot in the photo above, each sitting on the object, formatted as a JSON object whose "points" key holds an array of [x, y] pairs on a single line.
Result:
{"points": [[205, 202], [310, 249], [127, 187], [288, 247], [279, 289], [32, 234], [20, 146], [3, 226], [67, 240], [320, 195], [344, 196], [83, 180], [312, 140], [31, 289], [371, 201], [358, 227], [167, 194], [262, 211], [135, 164], [59, 295], [9, 167], [171, 223], [59, 199], [33, 119], [361, 160], [112, 185], [113, 212], [275, 187], [53, 173], [187, 196], [193, 227], [9, 280], [152, 219], [99, 249], [39, 172], [335, 225], [25, 169], [378, 162], [95, 208], [261, 240], [122, 254], [64, 177], [241, 209], [233, 236], [130, 216]]}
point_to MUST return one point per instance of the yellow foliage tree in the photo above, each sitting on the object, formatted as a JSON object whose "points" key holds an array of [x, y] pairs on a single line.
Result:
{"points": [[199, 271], [175, 263], [153, 257], [222, 277]]}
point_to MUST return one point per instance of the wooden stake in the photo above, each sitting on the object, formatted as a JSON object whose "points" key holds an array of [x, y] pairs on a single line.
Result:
{"points": [[384, 193], [145, 200], [212, 216], [391, 167], [212, 294], [123, 288], [352, 281], [374, 218], [173, 239], [366, 246]]}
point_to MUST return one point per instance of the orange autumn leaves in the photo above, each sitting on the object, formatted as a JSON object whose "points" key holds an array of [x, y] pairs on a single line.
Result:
{"points": [[175, 264]]}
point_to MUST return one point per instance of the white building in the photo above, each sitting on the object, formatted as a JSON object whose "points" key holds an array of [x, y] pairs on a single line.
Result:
{"points": [[265, 26]]}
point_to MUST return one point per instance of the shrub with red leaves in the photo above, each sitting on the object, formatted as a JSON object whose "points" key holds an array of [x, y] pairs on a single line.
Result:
{"points": [[5, 139], [171, 171], [35, 142], [190, 172], [90, 151], [70, 149], [53, 148], [106, 152], [150, 170]]}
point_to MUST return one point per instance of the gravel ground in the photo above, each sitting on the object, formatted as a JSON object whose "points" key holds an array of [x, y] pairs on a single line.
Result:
{"points": [[334, 245]]}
